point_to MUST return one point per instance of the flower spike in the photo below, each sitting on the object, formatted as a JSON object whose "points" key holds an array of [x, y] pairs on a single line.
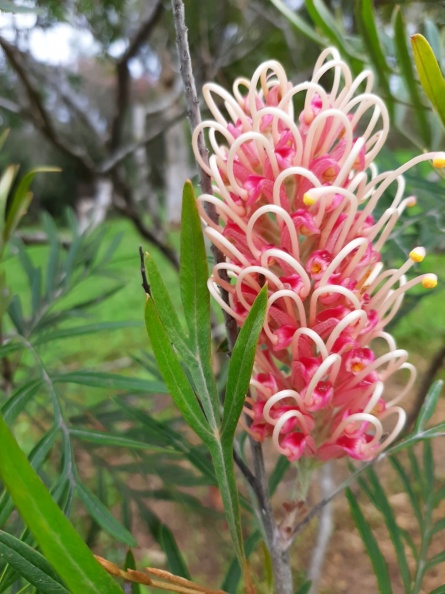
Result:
{"points": [[296, 195]]}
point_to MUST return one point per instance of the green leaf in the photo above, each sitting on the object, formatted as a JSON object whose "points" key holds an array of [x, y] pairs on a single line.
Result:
{"points": [[370, 542], [17, 402], [53, 256], [407, 485], [60, 543], [21, 200], [430, 75], [300, 25], [165, 539], [327, 24], [367, 24], [233, 575], [429, 406], [438, 526], [111, 381], [432, 35], [30, 564], [175, 560], [6, 182], [380, 500], [278, 473], [100, 513], [83, 331], [173, 374], [130, 563], [225, 473], [407, 71], [193, 277], [104, 439], [304, 588], [240, 368], [439, 590], [439, 558], [164, 306]]}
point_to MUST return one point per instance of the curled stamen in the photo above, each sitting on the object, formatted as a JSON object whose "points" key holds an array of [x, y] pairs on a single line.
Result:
{"points": [[296, 196]]}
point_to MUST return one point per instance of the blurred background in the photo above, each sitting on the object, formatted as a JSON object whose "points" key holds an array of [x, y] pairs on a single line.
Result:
{"points": [[93, 87]]}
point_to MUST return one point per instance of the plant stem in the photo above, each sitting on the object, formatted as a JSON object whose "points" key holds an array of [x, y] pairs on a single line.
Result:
{"points": [[276, 544]]}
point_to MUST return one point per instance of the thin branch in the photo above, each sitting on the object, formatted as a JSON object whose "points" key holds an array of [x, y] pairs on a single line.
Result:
{"points": [[280, 556], [40, 116], [145, 284], [123, 72], [325, 526], [121, 154], [191, 95]]}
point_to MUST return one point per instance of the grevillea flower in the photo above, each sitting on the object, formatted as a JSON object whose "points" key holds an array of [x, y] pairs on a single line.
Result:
{"points": [[296, 195]]}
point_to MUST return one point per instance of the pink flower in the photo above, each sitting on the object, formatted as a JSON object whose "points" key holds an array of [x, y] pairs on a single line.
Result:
{"points": [[295, 194]]}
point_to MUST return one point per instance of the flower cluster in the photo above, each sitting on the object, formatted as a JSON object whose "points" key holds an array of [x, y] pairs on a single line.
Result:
{"points": [[295, 198]]}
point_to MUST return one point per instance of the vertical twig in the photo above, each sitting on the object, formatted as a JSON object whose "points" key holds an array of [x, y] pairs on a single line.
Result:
{"points": [[277, 548], [325, 526]]}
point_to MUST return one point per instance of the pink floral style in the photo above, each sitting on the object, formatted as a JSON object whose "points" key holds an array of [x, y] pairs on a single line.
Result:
{"points": [[295, 198]]}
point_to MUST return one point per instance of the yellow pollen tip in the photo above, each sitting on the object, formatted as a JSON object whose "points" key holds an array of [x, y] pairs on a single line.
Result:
{"points": [[429, 281], [411, 201], [315, 268], [439, 161], [417, 254], [357, 367], [309, 200]]}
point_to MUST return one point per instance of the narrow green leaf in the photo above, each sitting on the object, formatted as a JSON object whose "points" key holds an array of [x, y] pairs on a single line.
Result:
{"points": [[370, 542], [36, 458], [438, 526], [428, 467], [21, 200], [327, 24], [173, 374], [304, 588], [278, 473], [53, 256], [300, 25], [432, 34], [439, 558], [6, 182], [241, 365], [100, 513], [60, 543], [167, 313], [163, 535], [380, 500], [130, 563], [367, 24], [111, 381], [30, 564], [193, 276], [83, 331], [430, 74], [407, 71], [102, 438], [225, 473], [18, 401], [429, 406], [175, 560], [439, 590], [233, 575]]}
